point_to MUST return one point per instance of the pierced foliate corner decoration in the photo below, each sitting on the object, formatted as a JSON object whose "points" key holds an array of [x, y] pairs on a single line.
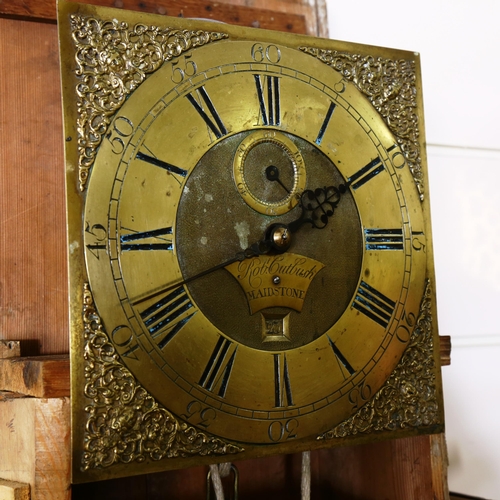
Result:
{"points": [[124, 423], [409, 399], [390, 85], [113, 59]]}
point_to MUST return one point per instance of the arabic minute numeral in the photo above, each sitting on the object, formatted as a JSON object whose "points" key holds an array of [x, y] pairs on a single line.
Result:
{"points": [[98, 232], [197, 414], [360, 395], [183, 68], [120, 130], [269, 53], [279, 431], [418, 241], [406, 325], [125, 341]]}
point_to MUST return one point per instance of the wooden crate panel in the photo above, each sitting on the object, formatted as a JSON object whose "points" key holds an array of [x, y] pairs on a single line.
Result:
{"points": [[33, 275], [262, 16]]}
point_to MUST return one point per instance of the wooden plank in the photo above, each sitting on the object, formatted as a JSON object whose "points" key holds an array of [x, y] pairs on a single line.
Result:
{"points": [[17, 435], [398, 469], [39, 376], [439, 466], [12, 490], [52, 454], [445, 350], [10, 349], [314, 11], [36, 444], [240, 15], [33, 299]]}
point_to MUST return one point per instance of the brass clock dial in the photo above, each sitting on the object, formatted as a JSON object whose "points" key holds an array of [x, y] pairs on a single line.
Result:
{"points": [[172, 206], [254, 241]]}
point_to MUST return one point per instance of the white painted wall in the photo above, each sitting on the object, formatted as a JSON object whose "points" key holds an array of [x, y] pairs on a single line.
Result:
{"points": [[459, 42]]}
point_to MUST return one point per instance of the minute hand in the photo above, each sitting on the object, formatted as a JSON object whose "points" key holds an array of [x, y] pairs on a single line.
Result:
{"points": [[259, 248]]}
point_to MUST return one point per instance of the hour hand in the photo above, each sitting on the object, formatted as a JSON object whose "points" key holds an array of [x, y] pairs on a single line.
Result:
{"points": [[318, 206]]}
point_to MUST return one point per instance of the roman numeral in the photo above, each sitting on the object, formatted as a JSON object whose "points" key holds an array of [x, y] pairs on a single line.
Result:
{"points": [[162, 164], [344, 365], [384, 239], [135, 241], [270, 111], [324, 126], [212, 118], [366, 173], [374, 304], [216, 375], [282, 387], [165, 318]]}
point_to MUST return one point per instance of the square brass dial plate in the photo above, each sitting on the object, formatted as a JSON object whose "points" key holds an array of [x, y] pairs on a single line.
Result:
{"points": [[250, 249]]}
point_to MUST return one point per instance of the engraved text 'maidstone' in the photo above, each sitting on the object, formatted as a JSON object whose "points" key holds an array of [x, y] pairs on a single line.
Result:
{"points": [[282, 280]]}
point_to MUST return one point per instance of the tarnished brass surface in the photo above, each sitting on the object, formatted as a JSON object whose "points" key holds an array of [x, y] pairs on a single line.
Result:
{"points": [[273, 149], [250, 248]]}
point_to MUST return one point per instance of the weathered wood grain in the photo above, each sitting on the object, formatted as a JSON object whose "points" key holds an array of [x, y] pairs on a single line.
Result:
{"points": [[241, 15], [10, 349], [12, 490], [35, 444], [39, 376]]}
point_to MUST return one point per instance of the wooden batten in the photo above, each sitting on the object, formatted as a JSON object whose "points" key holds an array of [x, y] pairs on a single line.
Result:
{"points": [[291, 20], [39, 376], [13, 490], [10, 349]]}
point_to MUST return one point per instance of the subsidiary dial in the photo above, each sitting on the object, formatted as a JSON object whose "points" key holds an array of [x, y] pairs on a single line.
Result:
{"points": [[269, 172]]}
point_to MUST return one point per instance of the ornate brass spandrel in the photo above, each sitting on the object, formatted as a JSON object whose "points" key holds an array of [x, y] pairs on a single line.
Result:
{"points": [[124, 423], [391, 88], [409, 398], [112, 60]]}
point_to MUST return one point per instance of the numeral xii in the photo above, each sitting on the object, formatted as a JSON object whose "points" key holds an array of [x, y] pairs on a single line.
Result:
{"points": [[268, 89]]}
